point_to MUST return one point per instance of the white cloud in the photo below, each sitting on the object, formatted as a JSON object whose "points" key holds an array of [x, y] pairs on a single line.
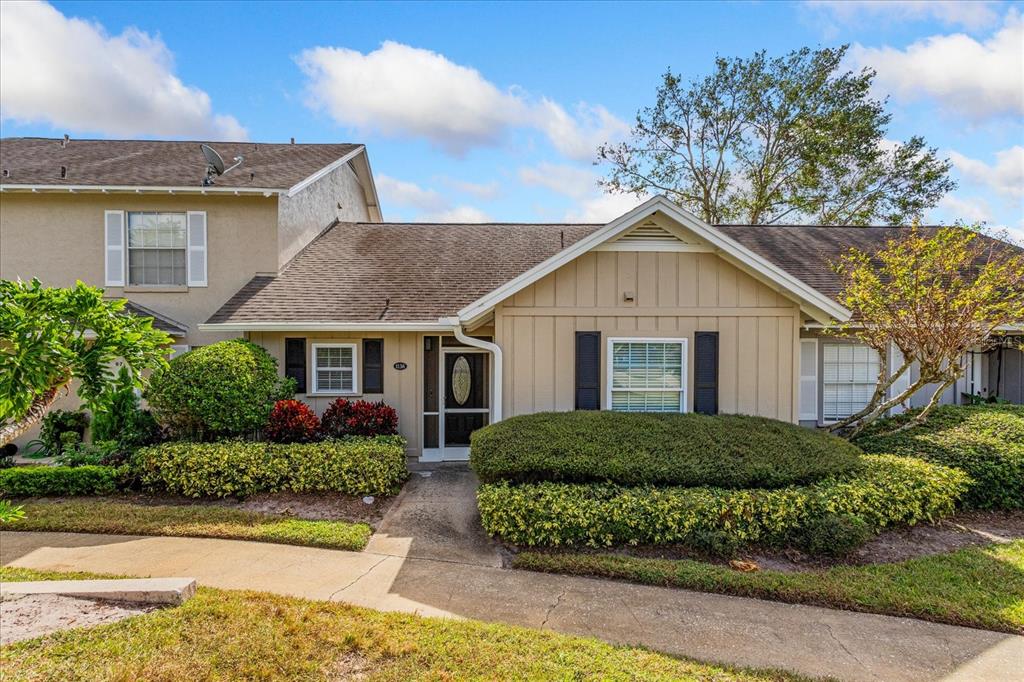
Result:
{"points": [[571, 181], [485, 191], [71, 74], [404, 91], [458, 214], [603, 208], [977, 79], [1006, 176], [430, 206], [969, 14], [968, 210]]}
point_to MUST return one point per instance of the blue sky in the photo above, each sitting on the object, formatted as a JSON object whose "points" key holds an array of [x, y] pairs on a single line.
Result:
{"points": [[490, 111]]}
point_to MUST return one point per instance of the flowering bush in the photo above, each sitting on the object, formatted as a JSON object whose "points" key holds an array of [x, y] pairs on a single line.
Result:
{"points": [[358, 418], [291, 421]]}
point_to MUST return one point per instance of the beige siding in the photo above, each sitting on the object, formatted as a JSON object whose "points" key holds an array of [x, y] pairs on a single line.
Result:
{"points": [[675, 294], [59, 239]]}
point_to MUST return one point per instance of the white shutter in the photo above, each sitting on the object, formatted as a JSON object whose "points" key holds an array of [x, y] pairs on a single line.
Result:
{"points": [[114, 248], [809, 379], [902, 383], [197, 248]]}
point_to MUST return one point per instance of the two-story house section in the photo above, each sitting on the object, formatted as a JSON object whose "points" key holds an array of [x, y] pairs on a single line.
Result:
{"points": [[151, 222]]}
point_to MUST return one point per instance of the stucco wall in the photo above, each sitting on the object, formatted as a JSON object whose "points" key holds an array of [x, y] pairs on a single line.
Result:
{"points": [[675, 295], [337, 195], [59, 239]]}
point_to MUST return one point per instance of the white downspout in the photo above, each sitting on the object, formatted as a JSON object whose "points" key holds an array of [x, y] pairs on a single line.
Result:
{"points": [[495, 351]]}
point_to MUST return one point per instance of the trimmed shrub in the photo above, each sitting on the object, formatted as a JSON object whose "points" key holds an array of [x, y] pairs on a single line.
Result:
{"points": [[726, 451], [358, 418], [887, 490], [224, 389], [834, 534], [985, 441], [35, 481], [356, 466], [292, 421], [58, 422]]}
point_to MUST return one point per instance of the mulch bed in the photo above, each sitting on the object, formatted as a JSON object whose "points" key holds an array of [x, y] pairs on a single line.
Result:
{"points": [[966, 529], [312, 506]]}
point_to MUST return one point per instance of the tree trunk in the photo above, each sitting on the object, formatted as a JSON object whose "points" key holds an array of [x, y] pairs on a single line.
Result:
{"points": [[921, 416], [35, 414], [885, 381]]}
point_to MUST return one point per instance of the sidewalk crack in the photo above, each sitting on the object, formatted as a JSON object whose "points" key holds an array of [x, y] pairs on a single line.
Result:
{"points": [[554, 606], [845, 648], [357, 578]]}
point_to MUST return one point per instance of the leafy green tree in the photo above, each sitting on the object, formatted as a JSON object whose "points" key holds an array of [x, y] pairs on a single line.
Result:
{"points": [[764, 141], [50, 336], [934, 296]]}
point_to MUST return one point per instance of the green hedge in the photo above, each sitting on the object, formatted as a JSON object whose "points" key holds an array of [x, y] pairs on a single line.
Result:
{"points": [[986, 441], [726, 451], [34, 481], [887, 490], [357, 466]]}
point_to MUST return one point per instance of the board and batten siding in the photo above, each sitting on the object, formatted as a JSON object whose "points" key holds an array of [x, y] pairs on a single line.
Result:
{"points": [[675, 294]]}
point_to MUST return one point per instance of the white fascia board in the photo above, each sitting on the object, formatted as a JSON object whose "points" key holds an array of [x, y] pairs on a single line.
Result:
{"points": [[821, 307], [372, 200], [303, 184], [138, 189], [325, 327]]}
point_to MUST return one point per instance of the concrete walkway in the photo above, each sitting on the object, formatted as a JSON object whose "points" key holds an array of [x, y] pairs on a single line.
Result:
{"points": [[419, 574]]}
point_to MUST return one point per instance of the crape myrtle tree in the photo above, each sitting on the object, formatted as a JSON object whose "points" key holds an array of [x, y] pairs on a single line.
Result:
{"points": [[50, 336], [768, 141], [934, 294]]}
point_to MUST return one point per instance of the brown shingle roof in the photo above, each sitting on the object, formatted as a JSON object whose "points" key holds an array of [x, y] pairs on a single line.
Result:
{"points": [[397, 272], [155, 163], [161, 322]]}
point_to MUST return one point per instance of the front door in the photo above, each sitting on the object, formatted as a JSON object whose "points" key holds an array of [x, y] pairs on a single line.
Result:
{"points": [[466, 399]]}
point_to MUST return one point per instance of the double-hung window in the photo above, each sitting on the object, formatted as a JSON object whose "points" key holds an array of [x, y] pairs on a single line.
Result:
{"points": [[334, 368], [157, 249], [647, 375], [849, 374]]}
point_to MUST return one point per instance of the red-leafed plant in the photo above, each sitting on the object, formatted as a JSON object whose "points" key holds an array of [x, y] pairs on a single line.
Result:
{"points": [[291, 421], [358, 418]]}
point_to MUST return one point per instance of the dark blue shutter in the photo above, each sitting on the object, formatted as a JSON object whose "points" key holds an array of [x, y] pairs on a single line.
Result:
{"points": [[373, 365], [295, 362], [588, 370], [705, 375]]}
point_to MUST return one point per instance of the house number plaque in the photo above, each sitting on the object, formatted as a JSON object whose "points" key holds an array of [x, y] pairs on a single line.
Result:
{"points": [[400, 366]]}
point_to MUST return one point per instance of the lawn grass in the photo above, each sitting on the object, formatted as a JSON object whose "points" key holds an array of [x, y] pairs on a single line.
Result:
{"points": [[228, 635], [121, 518], [979, 587]]}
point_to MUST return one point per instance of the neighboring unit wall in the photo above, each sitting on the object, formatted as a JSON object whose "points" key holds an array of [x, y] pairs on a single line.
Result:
{"points": [[675, 294], [338, 195], [59, 238]]}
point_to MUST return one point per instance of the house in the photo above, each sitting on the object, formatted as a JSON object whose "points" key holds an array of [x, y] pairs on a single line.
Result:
{"points": [[460, 325], [140, 218]]}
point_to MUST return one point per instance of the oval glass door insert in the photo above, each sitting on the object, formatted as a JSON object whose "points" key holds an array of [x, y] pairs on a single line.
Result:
{"points": [[461, 380]]}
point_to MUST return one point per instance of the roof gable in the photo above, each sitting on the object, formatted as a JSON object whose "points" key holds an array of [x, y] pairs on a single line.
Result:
{"points": [[691, 232]]}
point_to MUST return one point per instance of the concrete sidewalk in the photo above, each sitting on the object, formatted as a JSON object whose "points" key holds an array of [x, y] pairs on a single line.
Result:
{"points": [[746, 632]]}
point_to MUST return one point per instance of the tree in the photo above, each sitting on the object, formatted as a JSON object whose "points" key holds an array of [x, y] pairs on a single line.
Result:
{"points": [[50, 336], [762, 141], [934, 295]]}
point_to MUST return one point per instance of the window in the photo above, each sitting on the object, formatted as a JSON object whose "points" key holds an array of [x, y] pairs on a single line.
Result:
{"points": [[334, 368], [647, 375], [157, 249], [850, 372]]}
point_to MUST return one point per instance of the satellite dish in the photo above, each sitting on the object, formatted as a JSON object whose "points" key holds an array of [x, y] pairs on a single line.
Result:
{"points": [[215, 163], [213, 159]]}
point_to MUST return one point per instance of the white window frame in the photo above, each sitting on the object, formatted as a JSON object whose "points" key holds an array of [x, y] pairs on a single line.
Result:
{"points": [[684, 397], [316, 377], [825, 419], [128, 256]]}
